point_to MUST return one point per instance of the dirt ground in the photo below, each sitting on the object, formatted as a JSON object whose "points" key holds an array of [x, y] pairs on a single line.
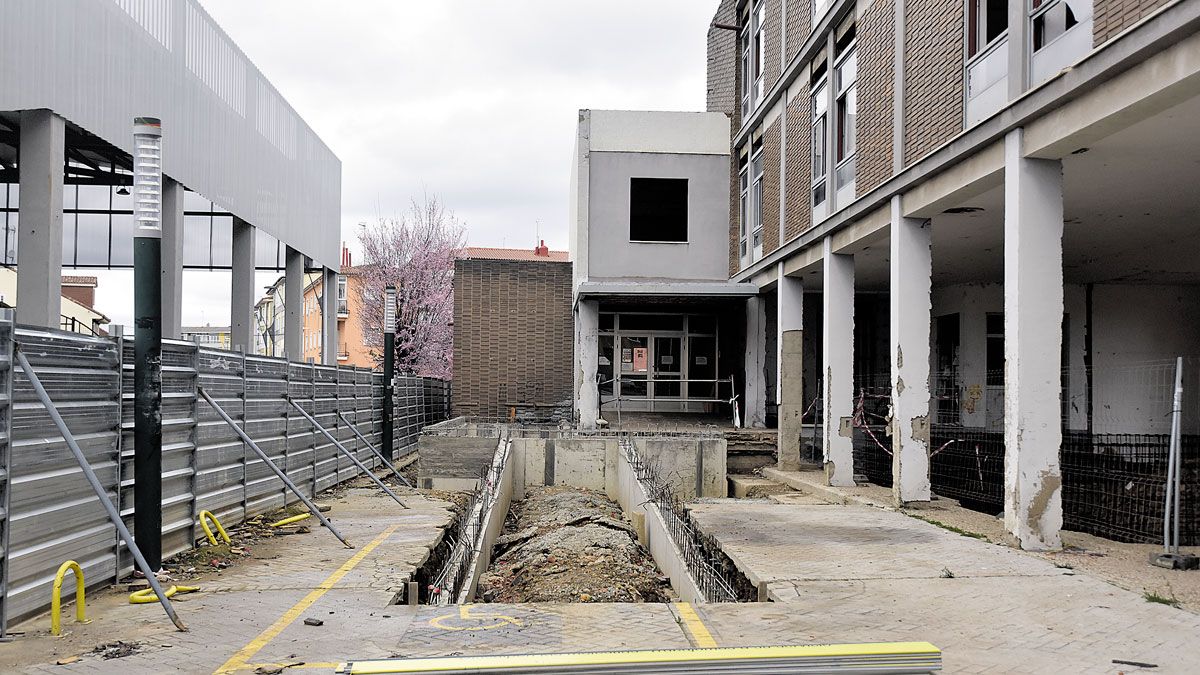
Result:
{"points": [[570, 545]]}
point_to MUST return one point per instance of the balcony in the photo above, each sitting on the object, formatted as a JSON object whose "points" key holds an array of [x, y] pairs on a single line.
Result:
{"points": [[343, 309], [987, 81]]}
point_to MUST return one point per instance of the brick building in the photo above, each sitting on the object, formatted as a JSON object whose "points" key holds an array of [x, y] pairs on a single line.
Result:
{"points": [[512, 333], [959, 228]]}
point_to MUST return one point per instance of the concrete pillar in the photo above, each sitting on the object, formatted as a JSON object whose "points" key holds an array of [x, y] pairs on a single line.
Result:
{"points": [[172, 259], [293, 304], [754, 413], [911, 310], [1033, 314], [241, 299], [790, 296], [837, 347], [40, 233], [587, 393], [329, 331]]}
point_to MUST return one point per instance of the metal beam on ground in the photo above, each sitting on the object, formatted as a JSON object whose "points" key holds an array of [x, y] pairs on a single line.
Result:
{"points": [[347, 453], [113, 514], [375, 450], [267, 460]]}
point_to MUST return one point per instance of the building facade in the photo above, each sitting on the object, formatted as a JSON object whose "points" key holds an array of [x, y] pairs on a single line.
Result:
{"points": [[512, 333], [971, 226], [351, 349]]}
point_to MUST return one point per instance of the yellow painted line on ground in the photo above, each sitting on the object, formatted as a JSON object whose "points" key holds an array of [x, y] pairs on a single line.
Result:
{"points": [[697, 631], [240, 660]]}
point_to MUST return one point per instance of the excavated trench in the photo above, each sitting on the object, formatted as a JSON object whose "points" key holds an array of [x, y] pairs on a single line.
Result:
{"points": [[566, 544]]}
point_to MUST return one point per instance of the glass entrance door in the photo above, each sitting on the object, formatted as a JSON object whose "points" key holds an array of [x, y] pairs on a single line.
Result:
{"points": [[668, 367]]}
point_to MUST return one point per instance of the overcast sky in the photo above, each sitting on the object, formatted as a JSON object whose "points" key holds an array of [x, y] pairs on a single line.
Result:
{"points": [[472, 100]]}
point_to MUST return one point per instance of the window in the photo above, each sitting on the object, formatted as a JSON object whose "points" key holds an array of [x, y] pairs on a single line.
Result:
{"points": [[343, 306], [846, 106], [995, 349], [753, 53], [744, 210], [820, 122], [1052, 18], [658, 209], [760, 35], [987, 20], [756, 196]]}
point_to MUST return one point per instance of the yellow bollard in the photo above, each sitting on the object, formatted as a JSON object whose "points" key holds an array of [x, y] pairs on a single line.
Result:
{"points": [[289, 521], [56, 601], [205, 516], [147, 596]]}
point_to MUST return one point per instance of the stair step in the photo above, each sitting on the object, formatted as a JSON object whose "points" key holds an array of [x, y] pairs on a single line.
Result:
{"points": [[755, 487]]}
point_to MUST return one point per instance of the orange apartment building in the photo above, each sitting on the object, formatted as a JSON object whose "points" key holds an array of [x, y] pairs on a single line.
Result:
{"points": [[351, 350]]}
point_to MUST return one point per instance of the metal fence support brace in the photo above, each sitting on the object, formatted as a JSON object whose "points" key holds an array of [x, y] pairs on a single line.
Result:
{"points": [[278, 472], [374, 449], [101, 493], [336, 442]]}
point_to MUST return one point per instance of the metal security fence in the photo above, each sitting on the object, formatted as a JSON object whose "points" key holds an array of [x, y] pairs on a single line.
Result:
{"points": [[48, 514]]}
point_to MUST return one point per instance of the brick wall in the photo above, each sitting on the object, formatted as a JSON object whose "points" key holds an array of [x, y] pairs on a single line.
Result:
{"points": [[772, 140], [876, 47], [799, 162], [1110, 17], [722, 61], [798, 25], [933, 97], [513, 335], [774, 42]]}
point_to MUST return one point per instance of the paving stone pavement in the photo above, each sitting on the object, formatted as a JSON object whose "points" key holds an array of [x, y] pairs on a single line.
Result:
{"points": [[861, 574]]}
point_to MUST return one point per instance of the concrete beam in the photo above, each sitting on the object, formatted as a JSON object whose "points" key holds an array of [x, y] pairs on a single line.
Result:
{"points": [[587, 393], [790, 376], [329, 329], [293, 305], [40, 230], [755, 411], [172, 259], [1033, 314], [837, 340], [241, 297], [910, 315]]}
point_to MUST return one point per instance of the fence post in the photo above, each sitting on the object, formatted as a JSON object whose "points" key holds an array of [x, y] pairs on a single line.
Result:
{"points": [[241, 352]]}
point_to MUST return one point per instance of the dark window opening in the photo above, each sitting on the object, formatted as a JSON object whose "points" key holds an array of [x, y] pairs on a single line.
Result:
{"points": [[658, 209]]}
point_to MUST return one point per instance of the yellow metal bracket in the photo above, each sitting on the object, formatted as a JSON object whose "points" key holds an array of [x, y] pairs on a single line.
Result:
{"points": [[205, 516], [147, 596], [56, 600]]}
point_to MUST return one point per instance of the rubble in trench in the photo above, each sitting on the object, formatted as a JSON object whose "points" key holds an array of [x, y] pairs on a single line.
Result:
{"points": [[570, 545]]}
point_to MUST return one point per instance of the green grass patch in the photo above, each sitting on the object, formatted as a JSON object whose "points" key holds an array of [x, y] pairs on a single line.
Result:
{"points": [[1151, 596]]}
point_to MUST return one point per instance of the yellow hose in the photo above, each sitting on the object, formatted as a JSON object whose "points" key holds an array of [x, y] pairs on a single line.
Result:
{"points": [[56, 599], [146, 595], [289, 521], [205, 516]]}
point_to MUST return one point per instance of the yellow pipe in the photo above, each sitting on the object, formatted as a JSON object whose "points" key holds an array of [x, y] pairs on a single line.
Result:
{"points": [[205, 516], [289, 521], [56, 600], [147, 596]]}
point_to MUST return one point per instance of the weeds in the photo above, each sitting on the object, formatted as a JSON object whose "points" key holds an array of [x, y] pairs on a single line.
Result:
{"points": [[951, 528], [1152, 596]]}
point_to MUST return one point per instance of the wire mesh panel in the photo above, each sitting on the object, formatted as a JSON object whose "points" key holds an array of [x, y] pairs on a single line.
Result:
{"points": [[53, 514]]}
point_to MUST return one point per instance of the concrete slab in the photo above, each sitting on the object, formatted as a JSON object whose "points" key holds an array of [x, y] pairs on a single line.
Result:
{"points": [[753, 487], [862, 574]]}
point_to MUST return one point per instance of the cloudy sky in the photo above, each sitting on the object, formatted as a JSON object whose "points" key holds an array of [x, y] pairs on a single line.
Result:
{"points": [[472, 100]]}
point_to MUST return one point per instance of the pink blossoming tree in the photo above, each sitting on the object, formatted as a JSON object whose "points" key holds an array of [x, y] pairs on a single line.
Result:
{"points": [[414, 253]]}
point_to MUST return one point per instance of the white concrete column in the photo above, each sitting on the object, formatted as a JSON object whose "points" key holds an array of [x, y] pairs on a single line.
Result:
{"points": [[329, 329], [754, 414], [790, 357], [40, 231], [587, 355], [172, 259], [293, 304], [241, 297], [1033, 314], [837, 340], [911, 315]]}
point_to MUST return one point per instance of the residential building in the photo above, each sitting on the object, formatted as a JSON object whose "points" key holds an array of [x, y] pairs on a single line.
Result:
{"points": [[269, 316], [512, 333], [217, 337], [962, 234], [351, 349], [78, 295]]}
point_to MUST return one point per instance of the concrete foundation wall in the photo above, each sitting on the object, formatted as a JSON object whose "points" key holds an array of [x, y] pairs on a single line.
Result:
{"points": [[453, 463]]}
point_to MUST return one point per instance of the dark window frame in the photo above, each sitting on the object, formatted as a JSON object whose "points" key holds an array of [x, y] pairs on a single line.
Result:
{"points": [[655, 215]]}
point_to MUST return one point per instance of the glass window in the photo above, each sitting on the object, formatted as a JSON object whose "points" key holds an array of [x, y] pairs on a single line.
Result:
{"points": [[987, 20], [607, 322], [222, 241], [604, 369], [649, 322], [68, 239], [93, 197], [702, 323], [1054, 18], [658, 209], [847, 116], [92, 239], [196, 234], [820, 108], [266, 251], [995, 349], [122, 239], [756, 195]]}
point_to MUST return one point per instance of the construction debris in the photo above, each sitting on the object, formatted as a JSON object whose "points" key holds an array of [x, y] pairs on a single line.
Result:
{"points": [[116, 650], [570, 545]]}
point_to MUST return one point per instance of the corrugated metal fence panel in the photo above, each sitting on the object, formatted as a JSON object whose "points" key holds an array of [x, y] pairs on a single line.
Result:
{"points": [[6, 370], [301, 437], [220, 455], [179, 446], [266, 423], [54, 514], [324, 403]]}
